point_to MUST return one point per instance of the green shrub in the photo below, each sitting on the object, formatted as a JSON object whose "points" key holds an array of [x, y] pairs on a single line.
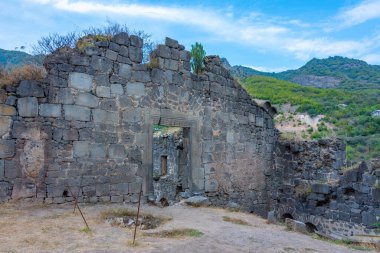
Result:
{"points": [[197, 58]]}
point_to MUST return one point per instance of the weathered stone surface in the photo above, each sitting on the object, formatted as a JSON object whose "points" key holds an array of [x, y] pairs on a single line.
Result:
{"points": [[116, 151], [197, 201], [27, 107], [29, 88], [135, 89], [80, 81], [76, 112], [112, 55], [136, 41], [7, 148], [81, 149], [125, 71], [87, 100], [103, 91], [106, 117], [70, 134], [121, 39], [117, 89], [50, 110], [98, 151], [5, 125], [171, 43], [135, 54], [163, 51], [7, 110]]}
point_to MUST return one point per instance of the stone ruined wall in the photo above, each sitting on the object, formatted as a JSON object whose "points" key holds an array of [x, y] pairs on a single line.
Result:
{"points": [[89, 125], [311, 184]]}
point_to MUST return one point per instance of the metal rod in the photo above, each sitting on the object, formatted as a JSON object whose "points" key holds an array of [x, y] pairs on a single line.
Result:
{"points": [[76, 204], [76, 198], [137, 216]]}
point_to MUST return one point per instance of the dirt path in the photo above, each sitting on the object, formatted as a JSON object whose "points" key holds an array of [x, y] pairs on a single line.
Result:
{"points": [[54, 228]]}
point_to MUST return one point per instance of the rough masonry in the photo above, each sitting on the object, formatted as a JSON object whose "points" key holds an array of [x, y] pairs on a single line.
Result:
{"points": [[89, 126]]}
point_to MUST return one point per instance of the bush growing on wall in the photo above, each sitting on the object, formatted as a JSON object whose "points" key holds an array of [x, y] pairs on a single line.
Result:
{"points": [[197, 57], [52, 42]]}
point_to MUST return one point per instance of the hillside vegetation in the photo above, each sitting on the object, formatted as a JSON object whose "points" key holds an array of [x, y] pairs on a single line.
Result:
{"points": [[10, 59], [333, 72], [348, 110]]}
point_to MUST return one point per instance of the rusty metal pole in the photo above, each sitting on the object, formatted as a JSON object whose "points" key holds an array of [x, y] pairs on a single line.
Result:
{"points": [[76, 204], [76, 198], [137, 216]]}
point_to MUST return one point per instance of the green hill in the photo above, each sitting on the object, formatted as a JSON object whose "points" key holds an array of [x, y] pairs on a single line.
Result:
{"points": [[353, 121], [10, 58], [333, 72]]}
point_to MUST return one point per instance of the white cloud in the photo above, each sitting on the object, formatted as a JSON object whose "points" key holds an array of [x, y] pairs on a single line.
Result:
{"points": [[361, 13], [255, 29], [371, 58], [267, 69]]}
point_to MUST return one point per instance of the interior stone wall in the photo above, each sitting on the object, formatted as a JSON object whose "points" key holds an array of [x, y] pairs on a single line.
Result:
{"points": [[312, 184], [88, 126]]}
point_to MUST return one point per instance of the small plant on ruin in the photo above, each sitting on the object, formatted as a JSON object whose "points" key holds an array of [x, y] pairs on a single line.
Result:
{"points": [[153, 61], [197, 58]]}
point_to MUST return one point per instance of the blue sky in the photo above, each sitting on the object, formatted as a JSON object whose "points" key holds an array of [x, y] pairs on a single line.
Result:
{"points": [[269, 35]]}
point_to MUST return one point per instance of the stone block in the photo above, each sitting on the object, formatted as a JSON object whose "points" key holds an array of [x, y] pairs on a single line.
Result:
{"points": [[98, 151], [125, 71], [29, 88], [121, 39], [64, 96], [80, 81], [163, 51], [79, 60], [81, 149], [112, 55], [123, 51], [50, 110], [27, 107], [4, 189], [7, 110], [136, 41], [103, 91], [135, 89], [102, 189], [321, 188], [5, 125], [116, 199], [171, 43], [116, 151], [106, 117], [7, 148], [11, 100], [70, 134], [259, 122], [132, 115], [87, 100], [135, 54], [211, 185], [76, 112], [295, 225], [141, 76], [197, 201], [119, 189], [117, 89]]}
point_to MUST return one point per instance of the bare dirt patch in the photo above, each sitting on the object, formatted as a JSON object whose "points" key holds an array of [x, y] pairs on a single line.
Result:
{"points": [[55, 228]]}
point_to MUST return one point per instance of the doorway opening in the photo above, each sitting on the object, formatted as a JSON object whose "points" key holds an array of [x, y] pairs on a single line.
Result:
{"points": [[171, 163]]}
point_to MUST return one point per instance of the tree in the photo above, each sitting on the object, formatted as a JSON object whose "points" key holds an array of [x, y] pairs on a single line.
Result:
{"points": [[197, 58]]}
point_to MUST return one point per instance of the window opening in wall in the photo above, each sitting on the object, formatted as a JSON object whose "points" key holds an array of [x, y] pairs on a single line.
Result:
{"points": [[164, 165]]}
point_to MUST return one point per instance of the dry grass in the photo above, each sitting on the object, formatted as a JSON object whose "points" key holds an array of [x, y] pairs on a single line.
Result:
{"points": [[236, 221], [347, 243], [25, 72], [149, 221], [176, 233]]}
